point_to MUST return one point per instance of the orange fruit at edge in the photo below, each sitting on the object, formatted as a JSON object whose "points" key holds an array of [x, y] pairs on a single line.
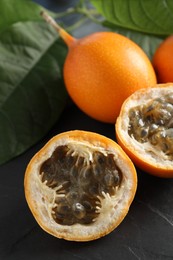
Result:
{"points": [[163, 61], [102, 69], [42, 198], [145, 156]]}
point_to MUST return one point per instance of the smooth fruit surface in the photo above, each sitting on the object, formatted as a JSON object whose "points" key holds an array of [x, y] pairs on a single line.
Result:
{"points": [[144, 129], [102, 69], [163, 61], [80, 185]]}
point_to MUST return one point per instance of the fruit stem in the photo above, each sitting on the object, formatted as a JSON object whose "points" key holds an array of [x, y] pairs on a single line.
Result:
{"points": [[68, 39]]}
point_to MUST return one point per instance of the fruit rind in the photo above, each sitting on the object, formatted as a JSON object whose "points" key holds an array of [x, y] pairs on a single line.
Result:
{"points": [[143, 155], [102, 226]]}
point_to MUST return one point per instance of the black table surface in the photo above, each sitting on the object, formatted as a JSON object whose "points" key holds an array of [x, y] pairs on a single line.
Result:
{"points": [[146, 232]]}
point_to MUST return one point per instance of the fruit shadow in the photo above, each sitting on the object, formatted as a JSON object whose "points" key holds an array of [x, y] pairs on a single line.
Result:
{"points": [[152, 189]]}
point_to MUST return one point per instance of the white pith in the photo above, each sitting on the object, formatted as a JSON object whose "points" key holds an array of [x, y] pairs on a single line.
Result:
{"points": [[43, 197], [145, 150]]}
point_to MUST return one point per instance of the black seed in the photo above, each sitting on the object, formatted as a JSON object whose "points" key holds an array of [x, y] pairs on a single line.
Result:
{"points": [[117, 179], [144, 132], [164, 147], [72, 196], [153, 128], [110, 162], [93, 190], [70, 161], [59, 216], [80, 183], [60, 153], [98, 172], [63, 209], [99, 158], [47, 168], [88, 206], [79, 210], [109, 179], [157, 118]]}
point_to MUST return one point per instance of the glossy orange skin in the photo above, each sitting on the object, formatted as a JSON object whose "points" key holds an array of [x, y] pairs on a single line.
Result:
{"points": [[163, 61], [101, 70]]}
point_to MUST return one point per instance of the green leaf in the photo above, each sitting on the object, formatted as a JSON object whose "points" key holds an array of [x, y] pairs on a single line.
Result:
{"points": [[147, 42], [32, 92], [25, 10], [154, 17]]}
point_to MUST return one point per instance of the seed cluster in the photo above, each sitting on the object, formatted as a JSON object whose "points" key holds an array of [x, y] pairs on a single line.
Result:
{"points": [[153, 122], [79, 184]]}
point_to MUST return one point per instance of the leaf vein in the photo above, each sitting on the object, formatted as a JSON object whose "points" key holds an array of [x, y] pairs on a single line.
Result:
{"points": [[31, 69], [114, 11], [150, 17], [169, 8]]}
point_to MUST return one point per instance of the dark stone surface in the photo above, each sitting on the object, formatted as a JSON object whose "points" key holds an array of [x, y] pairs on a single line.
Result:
{"points": [[146, 233]]}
